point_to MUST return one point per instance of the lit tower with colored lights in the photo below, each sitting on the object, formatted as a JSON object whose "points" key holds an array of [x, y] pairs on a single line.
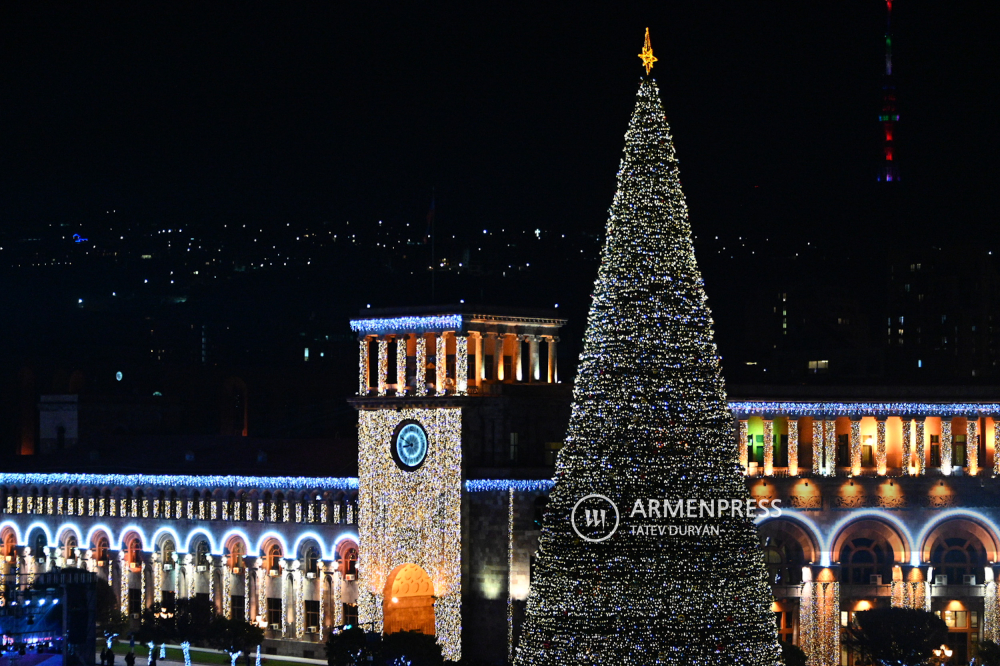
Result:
{"points": [[888, 173]]}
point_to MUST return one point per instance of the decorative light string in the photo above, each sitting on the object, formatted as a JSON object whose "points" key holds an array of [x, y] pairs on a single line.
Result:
{"points": [[793, 447], [768, 447], [855, 447], [908, 454], [972, 446], [880, 462], [743, 446], [395, 324], [945, 446]]}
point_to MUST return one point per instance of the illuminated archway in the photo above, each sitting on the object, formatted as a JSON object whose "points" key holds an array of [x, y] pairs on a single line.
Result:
{"points": [[408, 601]]}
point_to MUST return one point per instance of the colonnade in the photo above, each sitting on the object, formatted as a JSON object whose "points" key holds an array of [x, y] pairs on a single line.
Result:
{"points": [[879, 444], [415, 376]]}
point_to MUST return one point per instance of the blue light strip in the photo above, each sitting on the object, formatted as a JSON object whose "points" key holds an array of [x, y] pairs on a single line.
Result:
{"points": [[883, 409], [169, 480], [441, 322], [486, 485]]}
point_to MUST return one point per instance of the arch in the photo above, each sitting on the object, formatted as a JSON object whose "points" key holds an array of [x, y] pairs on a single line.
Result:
{"points": [[162, 535], [272, 551], [9, 528], [193, 538], [304, 538], [270, 535], [408, 601], [959, 546], [67, 530], [989, 533], [8, 543], [787, 547], [796, 527], [131, 530], [49, 541], [235, 550], [892, 528]]}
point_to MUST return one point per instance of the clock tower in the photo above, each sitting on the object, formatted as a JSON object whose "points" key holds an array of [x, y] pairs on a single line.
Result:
{"points": [[441, 394]]}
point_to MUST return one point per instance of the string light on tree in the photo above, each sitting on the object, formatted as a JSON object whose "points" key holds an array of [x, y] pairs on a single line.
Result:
{"points": [[649, 420]]}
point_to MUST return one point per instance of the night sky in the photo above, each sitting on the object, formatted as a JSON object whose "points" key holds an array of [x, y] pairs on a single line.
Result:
{"points": [[514, 114]]}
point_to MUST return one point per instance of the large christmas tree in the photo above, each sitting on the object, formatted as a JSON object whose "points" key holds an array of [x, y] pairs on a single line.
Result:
{"points": [[682, 579]]}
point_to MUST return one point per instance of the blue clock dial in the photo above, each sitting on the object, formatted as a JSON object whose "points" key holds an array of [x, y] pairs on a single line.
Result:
{"points": [[410, 445]]}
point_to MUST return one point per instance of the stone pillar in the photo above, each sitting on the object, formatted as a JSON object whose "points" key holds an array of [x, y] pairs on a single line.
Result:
{"points": [[363, 366], [461, 364], [991, 607], [906, 437], [420, 387], [913, 592], [817, 446], [830, 446], [768, 446], [441, 363], [553, 375], [285, 566], [855, 446], [742, 443], [401, 364], [945, 446], [819, 622], [480, 370], [517, 359], [972, 445], [157, 580], [793, 446], [534, 370], [497, 357], [880, 464], [920, 445], [383, 365], [298, 581]]}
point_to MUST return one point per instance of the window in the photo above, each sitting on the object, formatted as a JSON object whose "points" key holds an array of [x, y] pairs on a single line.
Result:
{"points": [[817, 367], [868, 452], [237, 605], [959, 451], [935, 451], [957, 558], [513, 446], [863, 558], [274, 611], [312, 613], [843, 450]]}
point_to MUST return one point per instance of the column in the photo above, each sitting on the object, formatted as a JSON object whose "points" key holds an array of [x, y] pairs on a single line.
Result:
{"points": [[474, 346], [363, 366], [880, 466], [441, 363], [124, 579], [300, 600], [920, 445], [768, 446], [461, 364], [383, 365], [285, 565], [830, 446], [401, 364], [991, 606], [742, 452], [553, 369], [972, 445], [157, 580], [912, 592], [534, 372], [945, 446], [996, 445], [793, 446], [855, 446], [226, 576], [498, 357], [818, 467], [421, 379], [517, 359], [480, 370], [819, 622], [907, 459]]}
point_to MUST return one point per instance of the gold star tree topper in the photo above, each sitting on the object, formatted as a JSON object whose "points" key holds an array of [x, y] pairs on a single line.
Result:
{"points": [[647, 54]]}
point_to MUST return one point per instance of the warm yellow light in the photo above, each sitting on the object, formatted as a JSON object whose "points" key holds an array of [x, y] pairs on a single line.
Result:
{"points": [[395, 600], [863, 606], [647, 54], [775, 607]]}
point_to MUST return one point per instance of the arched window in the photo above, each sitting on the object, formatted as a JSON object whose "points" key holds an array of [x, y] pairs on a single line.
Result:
{"points": [[274, 557], [167, 554], [38, 546], [9, 547], [101, 546], [236, 554], [957, 558], [133, 553], [862, 558], [201, 554], [268, 507], [784, 560], [350, 563], [69, 547], [311, 561]]}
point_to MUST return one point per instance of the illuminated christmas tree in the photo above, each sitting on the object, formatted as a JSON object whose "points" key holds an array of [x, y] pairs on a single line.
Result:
{"points": [[649, 422]]}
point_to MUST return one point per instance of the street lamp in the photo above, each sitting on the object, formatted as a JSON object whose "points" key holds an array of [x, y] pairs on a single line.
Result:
{"points": [[943, 654]]}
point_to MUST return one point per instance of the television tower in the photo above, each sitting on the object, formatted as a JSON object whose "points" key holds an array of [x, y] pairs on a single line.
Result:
{"points": [[889, 172]]}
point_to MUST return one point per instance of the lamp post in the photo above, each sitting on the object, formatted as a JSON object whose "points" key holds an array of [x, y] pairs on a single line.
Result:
{"points": [[943, 654]]}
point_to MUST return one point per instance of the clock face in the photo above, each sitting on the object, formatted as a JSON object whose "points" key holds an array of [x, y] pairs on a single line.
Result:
{"points": [[409, 445]]}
